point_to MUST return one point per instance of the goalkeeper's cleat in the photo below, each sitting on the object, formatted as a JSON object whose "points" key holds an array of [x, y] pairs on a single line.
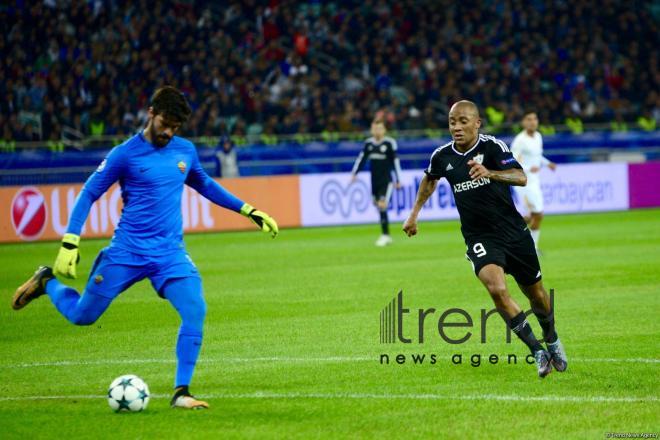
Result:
{"points": [[558, 356], [543, 365], [32, 288], [183, 399]]}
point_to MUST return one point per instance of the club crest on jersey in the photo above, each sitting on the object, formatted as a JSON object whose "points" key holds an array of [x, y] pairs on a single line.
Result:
{"points": [[479, 158], [182, 166], [383, 148]]}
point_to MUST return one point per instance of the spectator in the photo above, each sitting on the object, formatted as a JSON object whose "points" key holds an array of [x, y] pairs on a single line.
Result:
{"points": [[227, 158], [241, 63]]}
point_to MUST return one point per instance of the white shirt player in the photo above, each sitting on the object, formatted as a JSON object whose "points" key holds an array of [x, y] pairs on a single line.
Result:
{"points": [[528, 151]]}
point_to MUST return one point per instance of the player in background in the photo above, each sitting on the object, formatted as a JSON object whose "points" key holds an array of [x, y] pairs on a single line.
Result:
{"points": [[381, 151], [480, 170], [527, 148], [152, 168]]}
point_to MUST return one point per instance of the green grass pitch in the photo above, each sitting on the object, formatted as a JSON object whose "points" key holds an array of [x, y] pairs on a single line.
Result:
{"points": [[292, 343]]}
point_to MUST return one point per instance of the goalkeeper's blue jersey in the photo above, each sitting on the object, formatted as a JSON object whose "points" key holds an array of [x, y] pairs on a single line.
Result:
{"points": [[151, 180]]}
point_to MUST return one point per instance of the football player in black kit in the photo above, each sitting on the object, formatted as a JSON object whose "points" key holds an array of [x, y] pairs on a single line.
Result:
{"points": [[480, 170], [381, 151]]}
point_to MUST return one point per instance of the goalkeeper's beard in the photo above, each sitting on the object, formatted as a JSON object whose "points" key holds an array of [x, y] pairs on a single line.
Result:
{"points": [[159, 140]]}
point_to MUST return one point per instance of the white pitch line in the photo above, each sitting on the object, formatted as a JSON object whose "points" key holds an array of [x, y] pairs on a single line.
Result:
{"points": [[284, 359], [373, 396], [298, 359], [614, 360], [203, 361], [497, 397], [81, 363]]}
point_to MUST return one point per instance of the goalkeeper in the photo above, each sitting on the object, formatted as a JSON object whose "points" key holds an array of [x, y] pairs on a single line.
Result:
{"points": [[151, 168]]}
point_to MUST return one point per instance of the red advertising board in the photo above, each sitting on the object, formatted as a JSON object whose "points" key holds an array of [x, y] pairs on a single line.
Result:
{"points": [[31, 213]]}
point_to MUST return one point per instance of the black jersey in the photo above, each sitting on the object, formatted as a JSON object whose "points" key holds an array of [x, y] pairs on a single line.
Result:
{"points": [[485, 206], [383, 161]]}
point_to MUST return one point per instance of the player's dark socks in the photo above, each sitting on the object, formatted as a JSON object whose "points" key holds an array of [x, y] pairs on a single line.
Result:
{"points": [[384, 223], [519, 325], [183, 399], [181, 390], [547, 323]]}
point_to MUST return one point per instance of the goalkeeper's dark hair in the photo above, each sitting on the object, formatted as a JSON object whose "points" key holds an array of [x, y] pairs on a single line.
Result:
{"points": [[529, 111], [171, 103]]}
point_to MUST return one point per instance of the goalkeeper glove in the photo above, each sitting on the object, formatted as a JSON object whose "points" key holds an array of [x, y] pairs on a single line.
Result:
{"points": [[68, 256], [265, 222]]}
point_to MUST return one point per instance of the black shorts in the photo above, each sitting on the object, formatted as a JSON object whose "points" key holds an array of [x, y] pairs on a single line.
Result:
{"points": [[382, 192], [517, 258]]}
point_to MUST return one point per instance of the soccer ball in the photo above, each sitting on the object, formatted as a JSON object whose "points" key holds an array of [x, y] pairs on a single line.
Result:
{"points": [[128, 393]]}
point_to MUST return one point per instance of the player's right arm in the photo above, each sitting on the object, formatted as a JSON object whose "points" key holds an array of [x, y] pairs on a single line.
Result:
{"points": [[359, 162], [426, 188], [107, 173]]}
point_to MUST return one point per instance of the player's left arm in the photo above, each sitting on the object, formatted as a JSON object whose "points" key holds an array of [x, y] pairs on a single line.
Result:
{"points": [[545, 162], [212, 190], [514, 176], [503, 166]]}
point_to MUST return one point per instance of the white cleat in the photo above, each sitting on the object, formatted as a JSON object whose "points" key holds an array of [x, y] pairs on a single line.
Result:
{"points": [[383, 240], [189, 402], [543, 365], [183, 399], [558, 356]]}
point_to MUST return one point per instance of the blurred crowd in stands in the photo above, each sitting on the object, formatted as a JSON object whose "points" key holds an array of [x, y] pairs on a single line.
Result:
{"points": [[285, 67]]}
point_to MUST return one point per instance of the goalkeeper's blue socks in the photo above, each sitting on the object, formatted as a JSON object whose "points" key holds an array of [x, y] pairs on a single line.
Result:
{"points": [[77, 309], [185, 294], [187, 350]]}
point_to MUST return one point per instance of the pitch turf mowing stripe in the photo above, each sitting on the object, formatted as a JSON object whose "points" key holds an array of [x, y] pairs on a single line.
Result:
{"points": [[327, 396], [330, 359]]}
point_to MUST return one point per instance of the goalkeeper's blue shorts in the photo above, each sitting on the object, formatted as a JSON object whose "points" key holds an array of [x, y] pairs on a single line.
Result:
{"points": [[116, 269]]}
